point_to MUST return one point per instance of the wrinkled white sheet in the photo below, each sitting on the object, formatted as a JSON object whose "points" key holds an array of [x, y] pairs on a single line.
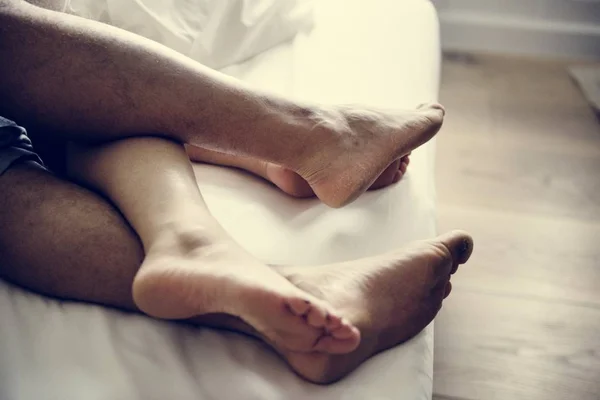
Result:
{"points": [[214, 32], [386, 54]]}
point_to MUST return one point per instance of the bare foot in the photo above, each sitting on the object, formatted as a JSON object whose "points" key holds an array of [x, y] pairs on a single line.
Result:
{"points": [[285, 179], [359, 144], [356, 149], [189, 273], [389, 298], [352, 148]]}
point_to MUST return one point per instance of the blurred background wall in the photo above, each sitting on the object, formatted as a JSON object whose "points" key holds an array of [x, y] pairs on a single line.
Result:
{"points": [[555, 28]]}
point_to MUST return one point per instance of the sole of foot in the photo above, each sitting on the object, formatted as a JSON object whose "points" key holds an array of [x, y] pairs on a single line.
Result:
{"points": [[285, 179], [188, 276], [360, 144], [390, 298], [292, 184]]}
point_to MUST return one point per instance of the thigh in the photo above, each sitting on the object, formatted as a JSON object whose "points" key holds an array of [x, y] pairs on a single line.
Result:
{"points": [[59, 239]]}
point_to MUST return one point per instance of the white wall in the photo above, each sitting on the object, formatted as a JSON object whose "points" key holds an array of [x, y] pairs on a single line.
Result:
{"points": [[556, 28]]}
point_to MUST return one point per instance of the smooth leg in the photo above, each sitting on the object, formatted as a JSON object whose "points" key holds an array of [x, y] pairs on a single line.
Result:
{"points": [[80, 240], [192, 267]]}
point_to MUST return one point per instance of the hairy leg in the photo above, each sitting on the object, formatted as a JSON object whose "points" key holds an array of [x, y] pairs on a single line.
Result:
{"points": [[115, 84], [192, 267], [80, 239]]}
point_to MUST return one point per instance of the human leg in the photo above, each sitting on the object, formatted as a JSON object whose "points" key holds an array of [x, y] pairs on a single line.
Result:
{"points": [[115, 84], [287, 180], [59, 239], [390, 298], [192, 267], [81, 240]]}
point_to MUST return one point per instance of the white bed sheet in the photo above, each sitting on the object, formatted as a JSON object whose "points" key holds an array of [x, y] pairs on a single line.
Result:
{"points": [[385, 54]]}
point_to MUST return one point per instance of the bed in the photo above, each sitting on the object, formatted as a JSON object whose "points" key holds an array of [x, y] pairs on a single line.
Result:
{"points": [[385, 54]]}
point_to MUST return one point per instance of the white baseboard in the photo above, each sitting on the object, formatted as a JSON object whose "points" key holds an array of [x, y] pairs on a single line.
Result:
{"points": [[464, 30]]}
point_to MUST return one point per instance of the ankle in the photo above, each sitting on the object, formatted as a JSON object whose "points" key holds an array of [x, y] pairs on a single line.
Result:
{"points": [[185, 236], [305, 129]]}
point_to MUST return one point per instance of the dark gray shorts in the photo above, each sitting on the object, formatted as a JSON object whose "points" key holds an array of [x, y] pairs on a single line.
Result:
{"points": [[15, 146]]}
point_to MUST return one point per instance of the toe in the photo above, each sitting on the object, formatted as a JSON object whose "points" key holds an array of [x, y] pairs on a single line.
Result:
{"points": [[333, 345], [314, 313], [435, 115], [403, 168], [333, 322], [387, 176], [434, 106], [454, 268], [459, 244], [317, 317], [345, 331], [299, 307], [440, 107], [448, 289]]}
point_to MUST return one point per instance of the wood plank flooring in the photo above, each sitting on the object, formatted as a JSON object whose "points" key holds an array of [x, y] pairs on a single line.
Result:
{"points": [[519, 167]]}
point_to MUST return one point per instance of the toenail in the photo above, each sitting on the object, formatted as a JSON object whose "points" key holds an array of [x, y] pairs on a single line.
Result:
{"points": [[440, 107], [464, 248]]}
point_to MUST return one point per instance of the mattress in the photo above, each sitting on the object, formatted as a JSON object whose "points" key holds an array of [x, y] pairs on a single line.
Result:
{"points": [[355, 53]]}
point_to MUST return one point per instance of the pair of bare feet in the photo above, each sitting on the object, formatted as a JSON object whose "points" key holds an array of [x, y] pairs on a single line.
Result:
{"points": [[324, 321]]}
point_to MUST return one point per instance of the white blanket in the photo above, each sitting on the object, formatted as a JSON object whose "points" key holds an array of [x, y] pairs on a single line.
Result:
{"points": [[356, 53], [214, 32]]}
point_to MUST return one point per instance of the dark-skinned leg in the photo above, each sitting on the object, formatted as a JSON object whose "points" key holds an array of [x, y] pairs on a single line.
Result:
{"points": [[115, 85]]}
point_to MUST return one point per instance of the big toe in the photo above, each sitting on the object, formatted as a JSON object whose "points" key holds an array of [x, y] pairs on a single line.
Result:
{"points": [[423, 124], [434, 113], [459, 244], [338, 345], [432, 106]]}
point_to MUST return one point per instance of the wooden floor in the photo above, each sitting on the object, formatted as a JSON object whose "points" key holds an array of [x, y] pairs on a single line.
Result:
{"points": [[519, 167]]}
